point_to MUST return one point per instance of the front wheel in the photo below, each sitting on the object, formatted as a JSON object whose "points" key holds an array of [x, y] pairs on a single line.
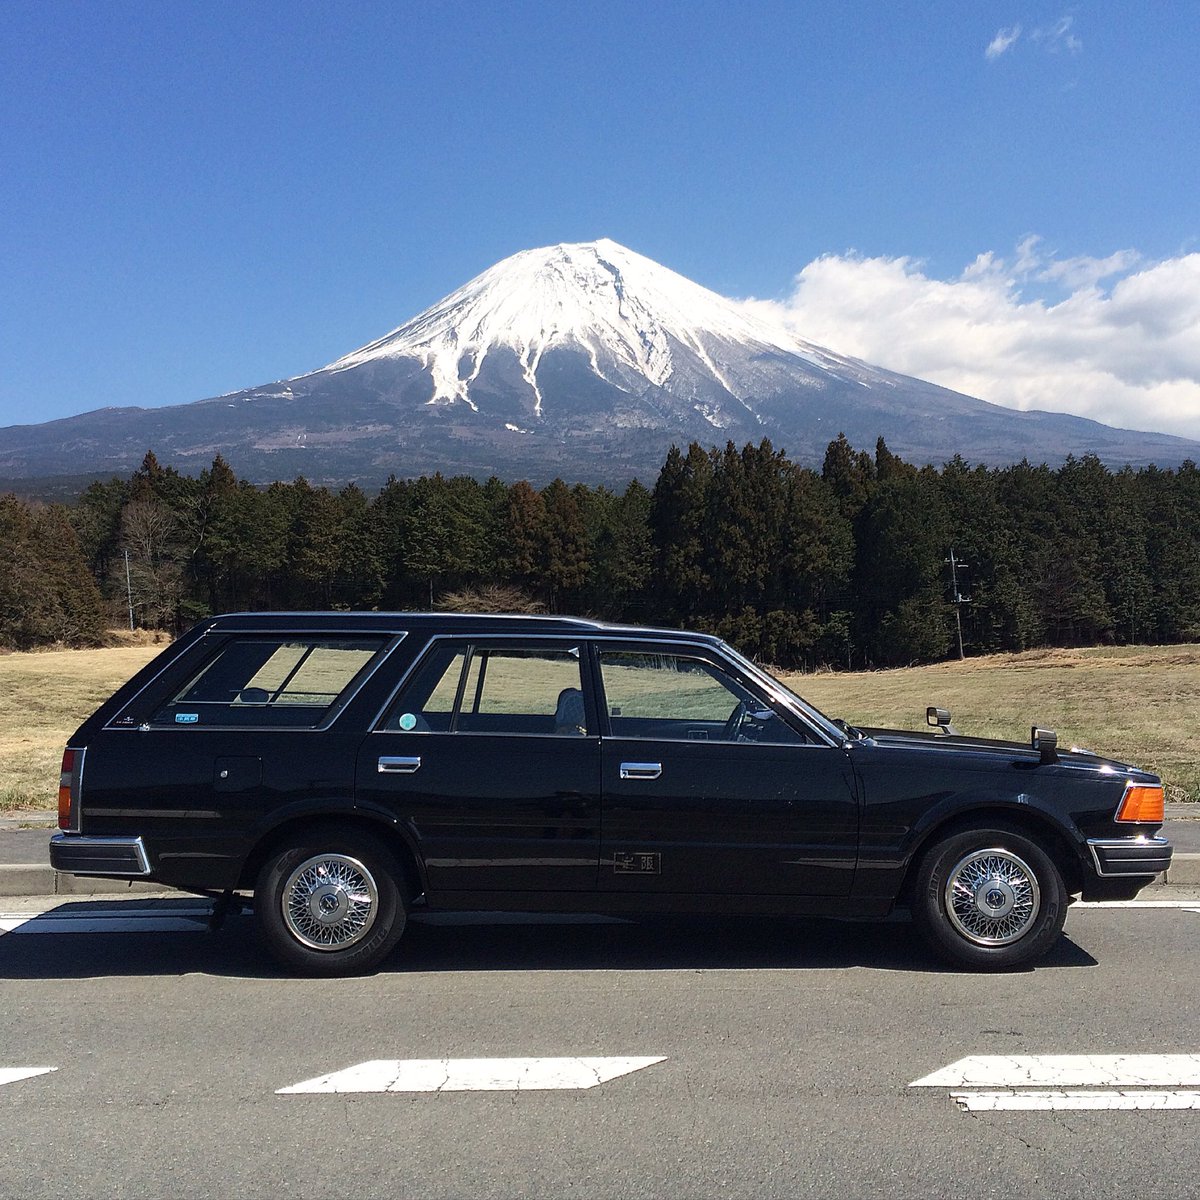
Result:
{"points": [[329, 903], [989, 898]]}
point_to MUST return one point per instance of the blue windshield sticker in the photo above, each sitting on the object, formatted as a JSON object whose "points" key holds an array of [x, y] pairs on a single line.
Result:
{"points": [[186, 718], [408, 721]]}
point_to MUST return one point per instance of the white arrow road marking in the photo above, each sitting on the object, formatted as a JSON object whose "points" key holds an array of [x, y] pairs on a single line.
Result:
{"points": [[1068, 1070], [107, 921], [472, 1075], [1065, 1101], [1133, 1081], [12, 1074]]}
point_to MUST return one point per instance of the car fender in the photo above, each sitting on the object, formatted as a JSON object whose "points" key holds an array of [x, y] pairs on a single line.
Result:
{"points": [[975, 805]]}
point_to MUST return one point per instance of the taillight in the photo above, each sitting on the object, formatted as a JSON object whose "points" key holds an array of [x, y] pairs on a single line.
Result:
{"points": [[1142, 803], [68, 788]]}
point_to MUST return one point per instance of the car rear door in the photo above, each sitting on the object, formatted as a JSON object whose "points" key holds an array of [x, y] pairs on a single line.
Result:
{"points": [[489, 759]]}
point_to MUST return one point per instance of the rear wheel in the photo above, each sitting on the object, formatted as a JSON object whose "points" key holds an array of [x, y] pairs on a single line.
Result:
{"points": [[329, 903], [989, 898]]}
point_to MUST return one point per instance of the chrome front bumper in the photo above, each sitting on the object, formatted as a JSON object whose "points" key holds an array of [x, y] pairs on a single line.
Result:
{"points": [[1130, 856]]}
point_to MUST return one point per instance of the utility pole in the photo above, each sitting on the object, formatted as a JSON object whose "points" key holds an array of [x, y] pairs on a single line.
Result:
{"points": [[958, 598], [128, 590]]}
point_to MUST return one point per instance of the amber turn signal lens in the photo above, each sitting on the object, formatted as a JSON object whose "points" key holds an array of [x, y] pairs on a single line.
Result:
{"points": [[64, 789], [1142, 803]]}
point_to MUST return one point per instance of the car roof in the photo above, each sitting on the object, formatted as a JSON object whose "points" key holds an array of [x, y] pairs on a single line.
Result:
{"points": [[432, 622]]}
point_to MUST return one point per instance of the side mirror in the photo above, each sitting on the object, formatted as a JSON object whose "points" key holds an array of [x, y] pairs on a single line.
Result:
{"points": [[941, 718], [1045, 741]]}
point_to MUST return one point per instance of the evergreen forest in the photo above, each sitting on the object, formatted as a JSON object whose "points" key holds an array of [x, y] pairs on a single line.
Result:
{"points": [[848, 566]]}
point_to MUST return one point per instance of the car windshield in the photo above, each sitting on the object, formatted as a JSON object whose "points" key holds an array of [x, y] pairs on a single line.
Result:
{"points": [[835, 729]]}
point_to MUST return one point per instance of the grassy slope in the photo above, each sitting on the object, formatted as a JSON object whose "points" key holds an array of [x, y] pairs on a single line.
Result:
{"points": [[44, 697], [1135, 703]]}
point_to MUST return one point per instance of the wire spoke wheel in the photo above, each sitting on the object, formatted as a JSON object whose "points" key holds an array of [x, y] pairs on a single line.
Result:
{"points": [[992, 897], [330, 902]]}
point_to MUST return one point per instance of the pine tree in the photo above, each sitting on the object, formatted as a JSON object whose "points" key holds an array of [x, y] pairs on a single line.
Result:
{"points": [[677, 518], [47, 595], [526, 535], [849, 474], [565, 559]]}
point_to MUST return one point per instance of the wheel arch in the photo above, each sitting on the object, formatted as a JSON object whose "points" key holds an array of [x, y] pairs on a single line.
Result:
{"points": [[1032, 822], [300, 825]]}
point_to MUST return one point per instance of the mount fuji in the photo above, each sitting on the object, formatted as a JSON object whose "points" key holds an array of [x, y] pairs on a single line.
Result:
{"points": [[584, 360]]}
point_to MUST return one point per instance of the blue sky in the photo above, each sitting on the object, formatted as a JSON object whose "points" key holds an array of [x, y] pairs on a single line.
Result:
{"points": [[196, 197]]}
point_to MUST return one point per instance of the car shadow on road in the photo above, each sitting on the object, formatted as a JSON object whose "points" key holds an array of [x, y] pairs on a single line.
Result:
{"points": [[181, 945]]}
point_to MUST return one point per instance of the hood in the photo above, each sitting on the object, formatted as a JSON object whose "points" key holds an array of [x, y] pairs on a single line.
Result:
{"points": [[957, 743]]}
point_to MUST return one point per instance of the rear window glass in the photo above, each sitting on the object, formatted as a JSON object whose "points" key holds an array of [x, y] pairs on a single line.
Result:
{"points": [[290, 681]]}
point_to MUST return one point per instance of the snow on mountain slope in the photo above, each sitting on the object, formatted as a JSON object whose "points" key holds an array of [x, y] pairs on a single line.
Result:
{"points": [[637, 322]]}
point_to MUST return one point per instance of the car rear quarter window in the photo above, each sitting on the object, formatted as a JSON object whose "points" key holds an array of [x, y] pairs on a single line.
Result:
{"points": [[478, 688], [290, 681]]}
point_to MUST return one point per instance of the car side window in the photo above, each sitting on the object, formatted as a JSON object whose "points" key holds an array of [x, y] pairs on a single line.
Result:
{"points": [[271, 681], [479, 688], [652, 694]]}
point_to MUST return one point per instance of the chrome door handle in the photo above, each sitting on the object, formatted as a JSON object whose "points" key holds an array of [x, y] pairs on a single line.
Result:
{"points": [[398, 766], [633, 770]]}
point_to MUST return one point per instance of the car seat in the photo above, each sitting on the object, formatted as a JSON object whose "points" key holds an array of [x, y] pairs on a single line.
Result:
{"points": [[569, 716]]}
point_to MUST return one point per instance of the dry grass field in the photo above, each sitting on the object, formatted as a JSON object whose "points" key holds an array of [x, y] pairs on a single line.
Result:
{"points": [[44, 696], [1140, 704]]}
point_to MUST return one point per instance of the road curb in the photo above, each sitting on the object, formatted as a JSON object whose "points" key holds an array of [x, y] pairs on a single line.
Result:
{"points": [[1185, 869], [33, 879]]}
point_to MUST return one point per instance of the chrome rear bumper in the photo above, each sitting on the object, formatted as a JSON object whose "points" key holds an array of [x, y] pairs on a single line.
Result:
{"points": [[79, 855]]}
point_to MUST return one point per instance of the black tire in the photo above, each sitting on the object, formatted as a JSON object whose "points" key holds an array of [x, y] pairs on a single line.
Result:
{"points": [[989, 898], [330, 903]]}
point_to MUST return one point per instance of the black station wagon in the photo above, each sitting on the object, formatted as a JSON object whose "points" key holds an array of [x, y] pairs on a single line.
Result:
{"points": [[348, 767]]}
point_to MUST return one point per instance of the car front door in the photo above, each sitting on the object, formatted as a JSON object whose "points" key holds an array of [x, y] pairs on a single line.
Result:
{"points": [[710, 789], [489, 758]]}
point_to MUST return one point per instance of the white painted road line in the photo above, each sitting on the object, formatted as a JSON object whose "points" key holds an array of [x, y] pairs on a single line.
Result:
{"points": [[13, 1074], [195, 917], [472, 1075], [1068, 1070], [1077, 1101], [1190, 905]]}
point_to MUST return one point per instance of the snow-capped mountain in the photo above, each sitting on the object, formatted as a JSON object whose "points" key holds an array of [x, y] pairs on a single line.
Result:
{"points": [[585, 360], [636, 322]]}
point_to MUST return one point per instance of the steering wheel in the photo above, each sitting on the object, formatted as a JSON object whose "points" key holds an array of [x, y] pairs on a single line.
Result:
{"points": [[733, 726]]}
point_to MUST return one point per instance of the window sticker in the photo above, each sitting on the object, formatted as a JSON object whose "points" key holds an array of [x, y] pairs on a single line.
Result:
{"points": [[408, 721], [186, 718]]}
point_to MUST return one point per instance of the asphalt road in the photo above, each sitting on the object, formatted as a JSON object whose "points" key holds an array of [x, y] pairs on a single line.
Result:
{"points": [[788, 1048]]}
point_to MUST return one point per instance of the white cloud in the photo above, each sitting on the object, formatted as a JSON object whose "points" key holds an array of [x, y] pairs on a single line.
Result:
{"points": [[1058, 36], [1003, 41], [1116, 339]]}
